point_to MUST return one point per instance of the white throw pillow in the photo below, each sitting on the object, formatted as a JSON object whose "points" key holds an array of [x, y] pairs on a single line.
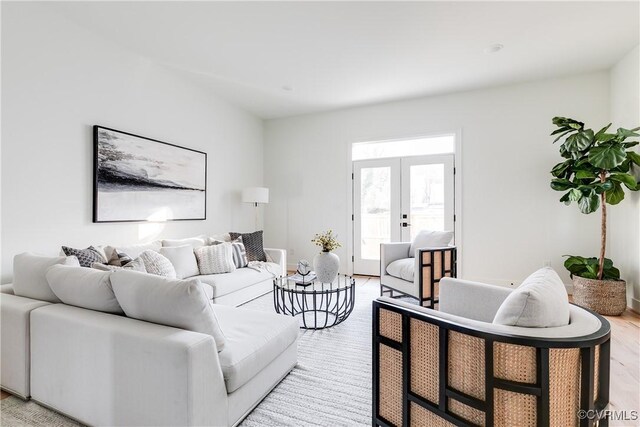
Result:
{"points": [[215, 259], [541, 301], [430, 239], [133, 251], [83, 287], [183, 260], [194, 242], [157, 264], [402, 268], [178, 303], [29, 275]]}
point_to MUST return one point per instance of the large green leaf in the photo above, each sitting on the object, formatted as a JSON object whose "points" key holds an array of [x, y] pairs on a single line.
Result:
{"points": [[628, 180], [607, 156], [566, 122], [601, 187], [574, 195], [602, 134], [559, 170], [579, 141], [561, 184], [634, 157], [589, 203], [626, 133], [615, 195], [585, 174], [630, 144]]}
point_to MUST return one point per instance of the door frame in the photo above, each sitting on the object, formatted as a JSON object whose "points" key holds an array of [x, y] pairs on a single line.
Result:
{"points": [[457, 197]]}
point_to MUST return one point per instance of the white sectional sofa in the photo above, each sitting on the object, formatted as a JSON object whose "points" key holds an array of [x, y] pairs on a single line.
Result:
{"points": [[109, 369]]}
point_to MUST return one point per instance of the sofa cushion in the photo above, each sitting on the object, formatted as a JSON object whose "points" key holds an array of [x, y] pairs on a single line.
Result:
{"points": [[194, 242], [253, 340], [179, 303], [253, 245], [223, 284], [215, 259], [541, 301], [29, 272], [430, 239], [158, 264], [183, 260], [83, 287], [402, 268]]}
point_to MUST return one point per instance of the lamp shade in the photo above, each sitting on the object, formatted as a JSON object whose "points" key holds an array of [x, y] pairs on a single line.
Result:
{"points": [[255, 195]]}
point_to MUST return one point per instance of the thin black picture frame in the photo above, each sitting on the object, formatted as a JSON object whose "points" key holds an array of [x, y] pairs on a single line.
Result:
{"points": [[96, 129]]}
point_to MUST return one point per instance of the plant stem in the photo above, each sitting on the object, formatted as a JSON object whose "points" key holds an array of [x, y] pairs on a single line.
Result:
{"points": [[603, 228]]}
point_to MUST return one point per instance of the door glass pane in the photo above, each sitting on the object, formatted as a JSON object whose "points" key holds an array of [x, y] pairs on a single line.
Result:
{"points": [[375, 210], [426, 210]]}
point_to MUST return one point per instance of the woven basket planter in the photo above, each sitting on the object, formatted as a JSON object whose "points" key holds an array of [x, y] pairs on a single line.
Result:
{"points": [[607, 297]]}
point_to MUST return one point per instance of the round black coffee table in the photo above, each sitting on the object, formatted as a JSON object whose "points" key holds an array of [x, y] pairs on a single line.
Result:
{"points": [[317, 305]]}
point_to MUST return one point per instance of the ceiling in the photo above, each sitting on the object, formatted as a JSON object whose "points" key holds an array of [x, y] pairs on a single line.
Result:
{"points": [[335, 55]]}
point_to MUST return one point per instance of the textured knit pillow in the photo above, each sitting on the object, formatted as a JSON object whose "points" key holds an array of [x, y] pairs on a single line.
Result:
{"points": [[252, 244], [86, 257], [157, 264], [215, 259], [239, 253]]}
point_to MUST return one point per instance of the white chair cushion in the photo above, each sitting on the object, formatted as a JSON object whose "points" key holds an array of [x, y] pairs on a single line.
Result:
{"points": [[430, 239], [183, 260], [158, 264], [194, 242], [29, 272], [83, 287], [178, 303], [541, 301], [254, 340], [402, 269], [215, 259]]}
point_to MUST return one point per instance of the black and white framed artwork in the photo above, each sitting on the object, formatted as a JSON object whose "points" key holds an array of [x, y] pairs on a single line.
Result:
{"points": [[141, 179]]}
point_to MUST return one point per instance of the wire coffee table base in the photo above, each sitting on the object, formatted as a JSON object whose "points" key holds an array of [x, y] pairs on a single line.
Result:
{"points": [[318, 305]]}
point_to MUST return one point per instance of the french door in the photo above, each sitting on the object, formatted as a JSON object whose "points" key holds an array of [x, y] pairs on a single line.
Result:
{"points": [[394, 199]]}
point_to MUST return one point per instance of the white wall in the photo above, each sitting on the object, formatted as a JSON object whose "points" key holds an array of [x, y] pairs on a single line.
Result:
{"points": [[58, 80], [512, 220], [623, 229]]}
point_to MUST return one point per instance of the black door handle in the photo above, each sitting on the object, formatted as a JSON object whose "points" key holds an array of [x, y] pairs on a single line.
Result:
{"points": [[405, 224]]}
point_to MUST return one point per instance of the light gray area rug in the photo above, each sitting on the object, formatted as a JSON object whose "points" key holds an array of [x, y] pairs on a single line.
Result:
{"points": [[330, 386]]}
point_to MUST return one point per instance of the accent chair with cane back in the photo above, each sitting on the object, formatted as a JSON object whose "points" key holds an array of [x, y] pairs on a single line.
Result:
{"points": [[456, 366]]}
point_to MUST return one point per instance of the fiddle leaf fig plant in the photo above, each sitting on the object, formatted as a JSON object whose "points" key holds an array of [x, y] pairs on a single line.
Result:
{"points": [[596, 170]]}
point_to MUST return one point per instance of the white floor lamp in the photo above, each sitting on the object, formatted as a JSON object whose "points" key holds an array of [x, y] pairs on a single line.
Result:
{"points": [[255, 195]]}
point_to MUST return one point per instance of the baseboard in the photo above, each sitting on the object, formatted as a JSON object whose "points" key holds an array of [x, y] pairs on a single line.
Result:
{"points": [[635, 305]]}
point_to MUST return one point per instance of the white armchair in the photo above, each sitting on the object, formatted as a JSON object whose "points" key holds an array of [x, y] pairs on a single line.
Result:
{"points": [[418, 276]]}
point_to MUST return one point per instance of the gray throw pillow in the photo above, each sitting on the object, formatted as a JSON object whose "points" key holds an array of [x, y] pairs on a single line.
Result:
{"points": [[86, 257], [252, 244]]}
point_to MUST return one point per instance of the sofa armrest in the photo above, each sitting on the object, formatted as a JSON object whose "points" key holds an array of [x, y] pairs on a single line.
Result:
{"points": [[472, 300], [7, 289], [15, 342], [390, 252], [123, 371], [278, 256]]}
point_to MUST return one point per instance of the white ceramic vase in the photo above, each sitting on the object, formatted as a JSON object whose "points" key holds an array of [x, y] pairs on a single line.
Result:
{"points": [[326, 266]]}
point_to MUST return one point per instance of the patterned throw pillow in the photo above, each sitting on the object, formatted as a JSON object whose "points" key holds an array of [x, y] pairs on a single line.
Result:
{"points": [[239, 253], [119, 259], [86, 256], [157, 264], [252, 244], [135, 265], [215, 259]]}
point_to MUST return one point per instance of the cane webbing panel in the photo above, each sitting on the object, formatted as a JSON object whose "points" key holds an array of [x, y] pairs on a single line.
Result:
{"points": [[424, 363], [426, 286], [390, 325], [564, 385], [390, 397], [596, 372], [514, 362], [470, 414], [466, 357], [513, 409], [427, 273], [421, 417]]}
